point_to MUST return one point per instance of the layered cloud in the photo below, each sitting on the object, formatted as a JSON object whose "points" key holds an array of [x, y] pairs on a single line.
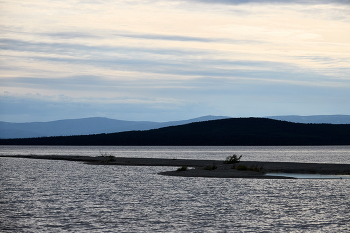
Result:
{"points": [[171, 59], [310, 2]]}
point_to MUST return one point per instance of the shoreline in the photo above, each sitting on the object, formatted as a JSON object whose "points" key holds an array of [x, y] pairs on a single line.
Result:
{"points": [[201, 168]]}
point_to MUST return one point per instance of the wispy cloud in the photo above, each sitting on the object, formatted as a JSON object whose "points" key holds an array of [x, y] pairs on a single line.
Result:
{"points": [[183, 58], [16, 107], [310, 2]]}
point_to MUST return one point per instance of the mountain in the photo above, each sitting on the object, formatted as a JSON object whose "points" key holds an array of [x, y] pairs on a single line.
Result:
{"points": [[85, 126], [225, 132], [328, 119], [97, 125]]}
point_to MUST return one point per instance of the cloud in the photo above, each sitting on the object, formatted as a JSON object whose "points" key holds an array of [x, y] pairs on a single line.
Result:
{"points": [[311, 2], [174, 59], [73, 48], [247, 71], [156, 66], [201, 97], [37, 107], [70, 35], [166, 37], [150, 36]]}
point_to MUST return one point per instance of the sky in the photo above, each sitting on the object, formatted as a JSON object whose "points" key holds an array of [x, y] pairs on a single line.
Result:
{"points": [[165, 60]]}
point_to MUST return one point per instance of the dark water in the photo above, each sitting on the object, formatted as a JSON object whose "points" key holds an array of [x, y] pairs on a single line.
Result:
{"points": [[63, 196]]}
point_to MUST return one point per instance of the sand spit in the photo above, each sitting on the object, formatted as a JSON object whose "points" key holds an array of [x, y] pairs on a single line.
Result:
{"points": [[199, 168]]}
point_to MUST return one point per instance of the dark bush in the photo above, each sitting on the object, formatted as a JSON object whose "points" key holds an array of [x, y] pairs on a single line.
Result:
{"points": [[232, 159]]}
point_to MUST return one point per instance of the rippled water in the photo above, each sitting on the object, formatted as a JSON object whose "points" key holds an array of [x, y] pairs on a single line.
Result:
{"points": [[63, 196]]}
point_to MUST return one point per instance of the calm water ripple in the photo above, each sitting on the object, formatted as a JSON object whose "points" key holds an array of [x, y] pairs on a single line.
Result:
{"points": [[63, 196]]}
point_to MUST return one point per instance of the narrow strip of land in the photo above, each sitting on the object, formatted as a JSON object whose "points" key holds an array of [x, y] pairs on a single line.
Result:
{"points": [[207, 168]]}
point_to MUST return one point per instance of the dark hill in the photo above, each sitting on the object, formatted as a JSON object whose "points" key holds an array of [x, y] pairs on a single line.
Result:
{"points": [[232, 131]]}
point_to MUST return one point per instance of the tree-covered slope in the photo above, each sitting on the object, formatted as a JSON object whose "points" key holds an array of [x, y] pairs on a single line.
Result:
{"points": [[232, 131]]}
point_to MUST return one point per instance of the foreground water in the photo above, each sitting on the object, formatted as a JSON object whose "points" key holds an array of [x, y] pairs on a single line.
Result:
{"points": [[63, 196]]}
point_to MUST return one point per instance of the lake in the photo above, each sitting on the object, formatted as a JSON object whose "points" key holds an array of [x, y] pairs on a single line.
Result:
{"points": [[64, 196]]}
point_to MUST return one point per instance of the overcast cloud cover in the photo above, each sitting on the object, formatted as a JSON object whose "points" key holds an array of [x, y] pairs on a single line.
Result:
{"points": [[172, 60]]}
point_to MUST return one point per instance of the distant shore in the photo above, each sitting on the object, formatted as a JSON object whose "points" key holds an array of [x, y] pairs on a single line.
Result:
{"points": [[207, 168], [224, 132]]}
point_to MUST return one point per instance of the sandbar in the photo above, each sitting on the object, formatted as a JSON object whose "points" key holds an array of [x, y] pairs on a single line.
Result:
{"points": [[199, 168]]}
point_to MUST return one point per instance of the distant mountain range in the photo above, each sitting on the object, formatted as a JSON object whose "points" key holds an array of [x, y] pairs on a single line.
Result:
{"points": [[97, 125], [224, 132], [316, 119], [85, 126]]}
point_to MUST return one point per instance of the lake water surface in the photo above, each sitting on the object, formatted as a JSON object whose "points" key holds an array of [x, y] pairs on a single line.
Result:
{"points": [[64, 196]]}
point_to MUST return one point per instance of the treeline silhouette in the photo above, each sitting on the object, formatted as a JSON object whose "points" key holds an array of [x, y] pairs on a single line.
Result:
{"points": [[226, 132]]}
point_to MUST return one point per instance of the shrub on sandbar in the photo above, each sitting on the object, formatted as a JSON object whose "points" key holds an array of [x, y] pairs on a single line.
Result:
{"points": [[110, 157], [232, 159]]}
